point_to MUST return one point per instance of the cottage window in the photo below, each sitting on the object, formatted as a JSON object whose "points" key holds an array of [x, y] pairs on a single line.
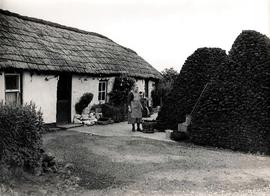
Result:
{"points": [[102, 90], [12, 89]]}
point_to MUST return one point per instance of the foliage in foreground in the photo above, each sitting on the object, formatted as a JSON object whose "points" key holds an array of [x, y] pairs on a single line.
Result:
{"points": [[20, 133]]}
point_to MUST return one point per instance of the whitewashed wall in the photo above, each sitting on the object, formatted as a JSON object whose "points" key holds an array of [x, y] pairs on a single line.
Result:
{"points": [[86, 84], [110, 84], [151, 87], [43, 93], [2, 87], [140, 84]]}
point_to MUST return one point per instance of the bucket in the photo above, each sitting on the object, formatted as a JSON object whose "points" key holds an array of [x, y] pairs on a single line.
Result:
{"points": [[182, 127], [168, 133]]}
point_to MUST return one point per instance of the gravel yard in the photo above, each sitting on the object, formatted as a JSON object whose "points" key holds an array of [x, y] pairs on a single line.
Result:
{"points": [[135, 166], [125, 165]]}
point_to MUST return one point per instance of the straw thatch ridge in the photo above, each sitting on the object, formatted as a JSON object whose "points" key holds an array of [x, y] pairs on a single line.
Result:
{"points": [[33, 44]]}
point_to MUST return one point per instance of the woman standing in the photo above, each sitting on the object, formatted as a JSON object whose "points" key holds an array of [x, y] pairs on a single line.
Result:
{"points": [[134, 108]]}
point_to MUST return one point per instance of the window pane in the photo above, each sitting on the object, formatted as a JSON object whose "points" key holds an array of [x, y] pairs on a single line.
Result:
{"points": [[102, 90], [12, 82], [13, 98], [99, 86], [101, 96]]}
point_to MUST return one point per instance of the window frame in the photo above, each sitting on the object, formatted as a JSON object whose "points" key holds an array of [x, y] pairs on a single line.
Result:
{"points": [[103, 91], [18, 91], [19, 83]]}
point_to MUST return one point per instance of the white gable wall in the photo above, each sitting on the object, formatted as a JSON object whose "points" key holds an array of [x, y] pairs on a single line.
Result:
{"points": [[151, 87], [140, 84], [41, 92], [110, 84]]}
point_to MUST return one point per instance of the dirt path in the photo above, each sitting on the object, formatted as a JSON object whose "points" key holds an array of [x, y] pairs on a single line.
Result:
{"points": [[139, 166], [119, 129]]}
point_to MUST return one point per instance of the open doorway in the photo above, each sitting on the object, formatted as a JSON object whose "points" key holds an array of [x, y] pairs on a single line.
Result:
{"points": [[146, 88], [63, 113]]}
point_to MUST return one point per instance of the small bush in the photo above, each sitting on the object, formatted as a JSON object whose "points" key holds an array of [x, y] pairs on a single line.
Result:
{"points": [[20, 133], [164, 86], [121, 88], [85, 99], [116, 113]]}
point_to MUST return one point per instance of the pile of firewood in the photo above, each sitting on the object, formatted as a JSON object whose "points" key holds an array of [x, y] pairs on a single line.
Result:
{"points": [[198, 69], [234, 111]]}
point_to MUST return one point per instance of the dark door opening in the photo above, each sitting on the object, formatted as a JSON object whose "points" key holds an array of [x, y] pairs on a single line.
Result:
{"points": [[63, 112], [146, 88]]}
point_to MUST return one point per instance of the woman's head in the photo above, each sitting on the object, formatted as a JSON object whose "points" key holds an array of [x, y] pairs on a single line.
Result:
{"points": [[135, 87]]}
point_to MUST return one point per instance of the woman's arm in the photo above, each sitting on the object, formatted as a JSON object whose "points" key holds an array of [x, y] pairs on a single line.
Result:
{"points": [[130, 98]]}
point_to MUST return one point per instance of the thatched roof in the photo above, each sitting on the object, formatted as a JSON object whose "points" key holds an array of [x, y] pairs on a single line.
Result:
{"points": [[33, 44]]}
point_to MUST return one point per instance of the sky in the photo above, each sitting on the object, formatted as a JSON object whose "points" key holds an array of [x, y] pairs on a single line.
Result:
{"points": [[163, 32]]}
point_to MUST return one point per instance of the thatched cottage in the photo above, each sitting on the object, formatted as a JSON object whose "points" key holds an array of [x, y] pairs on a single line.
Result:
{"points": [[54, 65]]}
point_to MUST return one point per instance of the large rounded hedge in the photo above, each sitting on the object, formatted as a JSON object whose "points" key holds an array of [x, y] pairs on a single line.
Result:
{"points": [[234, 112], [198, 69], [250, 48]]}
